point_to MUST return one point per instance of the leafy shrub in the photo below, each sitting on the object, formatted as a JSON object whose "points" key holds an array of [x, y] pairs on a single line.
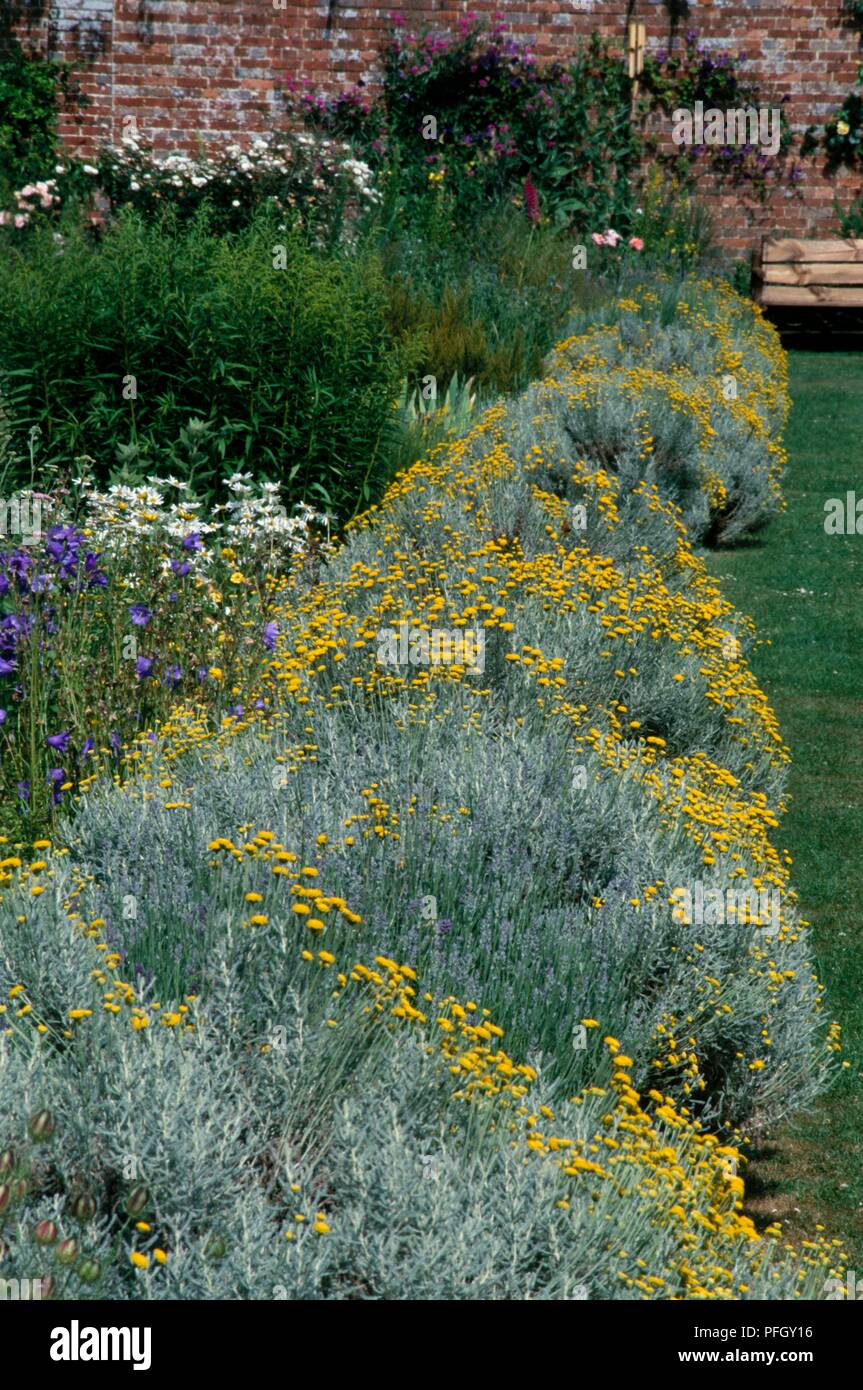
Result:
{"points": [[498, 118], [305, 179], [281, 351], [487, 303], [676, 231], [29, 86]]}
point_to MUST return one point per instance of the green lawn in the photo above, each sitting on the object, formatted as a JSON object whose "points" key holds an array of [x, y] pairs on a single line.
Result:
{"points": [[804, 589]]}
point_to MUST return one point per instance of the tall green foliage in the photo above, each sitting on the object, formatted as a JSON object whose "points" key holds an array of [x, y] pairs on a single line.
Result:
{"points": [[282, 351]]}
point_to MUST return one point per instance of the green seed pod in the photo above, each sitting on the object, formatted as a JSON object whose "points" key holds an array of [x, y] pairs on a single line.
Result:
{"points": [[137, 1201], [41, 1126], [19, 1189], [67, 1251], [5, 1196], [7, 1163], [89, 1271], [84, 1208], [45, 1232]]}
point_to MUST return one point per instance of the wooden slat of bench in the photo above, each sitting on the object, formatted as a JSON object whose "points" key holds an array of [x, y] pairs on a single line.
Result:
{"points": [[812, 295], [778, 249], [822, 273]]}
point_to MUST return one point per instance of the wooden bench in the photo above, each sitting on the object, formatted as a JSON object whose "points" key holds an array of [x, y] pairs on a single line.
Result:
{"points": [[816, 274]]}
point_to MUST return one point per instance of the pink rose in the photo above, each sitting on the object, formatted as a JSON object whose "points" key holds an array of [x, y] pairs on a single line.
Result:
{"points": [[598, 238], [612, 237], [636, 243]]}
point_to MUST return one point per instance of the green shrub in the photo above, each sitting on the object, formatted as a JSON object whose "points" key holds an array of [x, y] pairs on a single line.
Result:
{"points": [[29, 87], [499, 118], [487, 303], [111, 349]]}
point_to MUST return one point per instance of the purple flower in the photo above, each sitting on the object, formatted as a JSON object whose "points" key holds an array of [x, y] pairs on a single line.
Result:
{"points": [[6, 667], [271, 632], [143, 667], [59, 741], [180, 567], [173, 676], [114, 740], [192, 541], [24, 790], [140, 614], [89, 745], [2, 716]]}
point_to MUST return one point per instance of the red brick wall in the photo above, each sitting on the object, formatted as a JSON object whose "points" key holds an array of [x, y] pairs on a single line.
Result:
{"points": [[210, 69]]}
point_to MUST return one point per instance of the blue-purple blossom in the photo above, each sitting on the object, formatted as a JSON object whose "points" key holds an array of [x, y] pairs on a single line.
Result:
{"points": [[140, 614]]}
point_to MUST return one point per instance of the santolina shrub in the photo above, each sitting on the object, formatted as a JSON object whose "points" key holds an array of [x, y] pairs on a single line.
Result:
{"points": [[325, 1128], [300, 933]]}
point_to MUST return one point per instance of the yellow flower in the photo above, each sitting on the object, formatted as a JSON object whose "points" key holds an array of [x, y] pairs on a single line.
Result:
{"points": [[139, 1260]]}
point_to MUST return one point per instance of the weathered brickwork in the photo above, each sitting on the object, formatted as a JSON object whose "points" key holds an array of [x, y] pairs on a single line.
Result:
{"points": [[211, 69]]}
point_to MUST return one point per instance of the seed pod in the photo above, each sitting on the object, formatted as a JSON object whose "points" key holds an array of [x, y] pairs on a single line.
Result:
{"points": [[137, 1201], [4, 1250], [67, 1251], [47, 1287], [89, 1271], [19, 1190], [45, 1232], [5, 1196], [41, 1126], [7, 1163], [84, 1208]]}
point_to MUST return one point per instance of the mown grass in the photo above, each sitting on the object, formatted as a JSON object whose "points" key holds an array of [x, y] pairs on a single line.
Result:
{"points": [[803, 588]]}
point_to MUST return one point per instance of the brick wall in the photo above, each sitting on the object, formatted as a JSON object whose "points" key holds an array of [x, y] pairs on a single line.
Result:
{"points": [[189, 69]]}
